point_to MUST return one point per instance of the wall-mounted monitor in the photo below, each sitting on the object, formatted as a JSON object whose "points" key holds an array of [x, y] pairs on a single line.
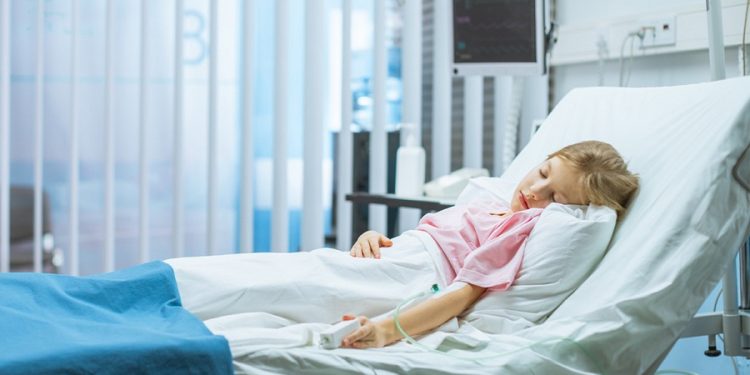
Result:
{"points": [[499, 37]]}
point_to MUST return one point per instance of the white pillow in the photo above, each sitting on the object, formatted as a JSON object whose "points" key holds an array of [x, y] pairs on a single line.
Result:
{"points": [[564, 247]]}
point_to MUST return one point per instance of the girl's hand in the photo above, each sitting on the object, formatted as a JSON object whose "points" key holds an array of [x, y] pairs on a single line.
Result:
{"points": [[368, 245], [368, 335]]}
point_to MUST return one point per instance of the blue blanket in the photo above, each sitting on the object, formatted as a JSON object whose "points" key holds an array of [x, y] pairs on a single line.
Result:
{"points": [[129, 321]]}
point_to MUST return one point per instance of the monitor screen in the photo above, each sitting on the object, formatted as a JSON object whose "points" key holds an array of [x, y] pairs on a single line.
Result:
{"points": [[496, 36]]}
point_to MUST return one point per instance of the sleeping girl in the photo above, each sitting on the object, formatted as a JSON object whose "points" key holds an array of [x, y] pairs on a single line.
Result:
{"points": [[466, 249]]}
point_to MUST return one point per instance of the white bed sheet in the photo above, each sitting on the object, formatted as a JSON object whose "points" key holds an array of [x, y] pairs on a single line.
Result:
{"points": [[667, 254]]}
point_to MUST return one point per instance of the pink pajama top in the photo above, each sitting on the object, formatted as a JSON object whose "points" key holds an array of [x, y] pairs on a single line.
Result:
{"points": [[479, 248]]}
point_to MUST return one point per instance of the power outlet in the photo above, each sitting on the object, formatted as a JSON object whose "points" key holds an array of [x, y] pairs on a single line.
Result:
{"points": [[658, 32]]}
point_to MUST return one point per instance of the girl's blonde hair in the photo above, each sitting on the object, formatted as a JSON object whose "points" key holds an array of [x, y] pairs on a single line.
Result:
{"points": [[606, 178]]}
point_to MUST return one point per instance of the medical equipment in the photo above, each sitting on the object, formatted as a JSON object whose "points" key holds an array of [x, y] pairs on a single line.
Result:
{"points": [[499, 37], [332, 337], [625, 78]]}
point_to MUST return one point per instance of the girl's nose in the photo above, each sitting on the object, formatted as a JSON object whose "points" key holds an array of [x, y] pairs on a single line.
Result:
{"points": [[536, 196]]}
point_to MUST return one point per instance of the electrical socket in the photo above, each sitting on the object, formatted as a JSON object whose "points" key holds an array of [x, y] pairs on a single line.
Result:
{"points": [[658, 32]]}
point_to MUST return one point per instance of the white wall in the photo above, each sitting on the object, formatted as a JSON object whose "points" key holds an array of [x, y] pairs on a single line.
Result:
{"points": [[592, 11], [584, 19], [656, 70], [653, 70]]}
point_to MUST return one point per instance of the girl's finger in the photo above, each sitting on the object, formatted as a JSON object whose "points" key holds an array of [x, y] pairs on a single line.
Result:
{"points": [[376, 252], [359, 334], [350, 338], [374, 247], [366, 249], [364, 330], [385, 241], [360, 251]]}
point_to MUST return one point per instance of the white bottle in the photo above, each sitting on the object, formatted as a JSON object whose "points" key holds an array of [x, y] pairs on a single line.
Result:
{"points": [[409, 165]]}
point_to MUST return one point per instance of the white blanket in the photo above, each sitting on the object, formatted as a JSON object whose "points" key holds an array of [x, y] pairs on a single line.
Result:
{"points": [[280, 299], [263, 302], [311, 287]]}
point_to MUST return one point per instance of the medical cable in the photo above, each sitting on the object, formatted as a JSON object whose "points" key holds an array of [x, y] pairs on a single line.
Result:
{"points": [[601, 55], [640, 33], [630, 61], [434, 289], [718, 295], [622, 55]]}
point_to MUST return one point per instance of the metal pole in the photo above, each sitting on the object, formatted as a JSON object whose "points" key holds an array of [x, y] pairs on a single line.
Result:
{"points": [[280, 212], [4, 136], [378, 139], [177, 223], [39, 137], [213, 69], [143, 197], [731, 319], [744, 288], [109, 189], [411, 73], [312, 204], [743, 277], [441, 90], [343, 207], [745, 280], [412, 66], [246, 215], [716, 40], [74, 141]]}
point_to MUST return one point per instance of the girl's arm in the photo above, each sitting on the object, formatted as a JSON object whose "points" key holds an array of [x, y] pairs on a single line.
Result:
{"points": [[421, 318]]}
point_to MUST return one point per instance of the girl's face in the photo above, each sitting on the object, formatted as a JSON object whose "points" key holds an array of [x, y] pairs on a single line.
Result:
{"points": [[555, 180]]}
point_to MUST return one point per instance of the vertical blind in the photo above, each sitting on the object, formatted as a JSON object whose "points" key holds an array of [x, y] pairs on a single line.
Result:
{"points": [[197, 84]]}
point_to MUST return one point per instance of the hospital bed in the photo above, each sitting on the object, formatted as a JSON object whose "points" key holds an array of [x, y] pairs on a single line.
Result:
{"points": [[668, 252], [689, 144]]}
